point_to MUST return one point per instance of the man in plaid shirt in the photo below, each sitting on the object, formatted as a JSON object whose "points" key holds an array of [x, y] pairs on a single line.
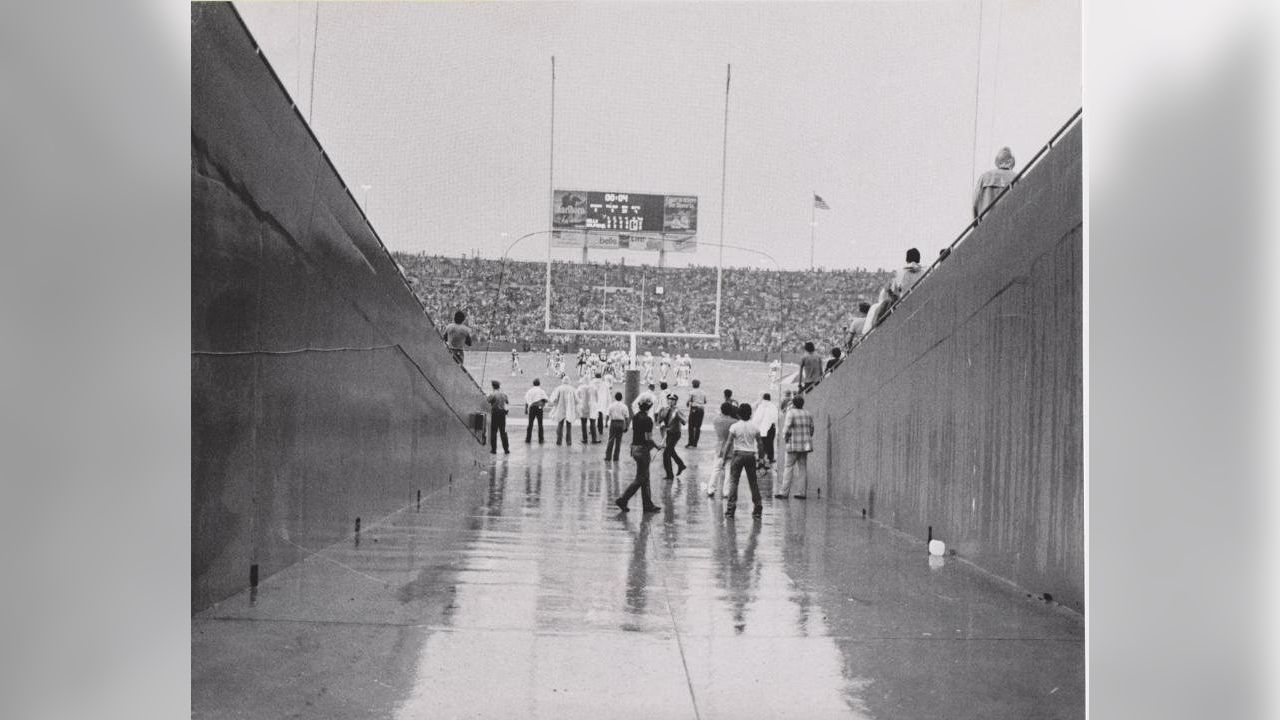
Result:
{"points": [[797, 432]]}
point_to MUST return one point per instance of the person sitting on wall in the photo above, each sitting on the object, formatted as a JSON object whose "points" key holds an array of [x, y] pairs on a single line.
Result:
{"points": [[994, 181], [456, 334]]}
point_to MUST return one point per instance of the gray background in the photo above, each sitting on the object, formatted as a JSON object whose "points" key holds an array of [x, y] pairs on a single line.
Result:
{"points": [[96, 362]]}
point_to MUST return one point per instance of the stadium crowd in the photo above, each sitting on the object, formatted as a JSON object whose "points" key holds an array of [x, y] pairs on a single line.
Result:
{"points": [[762, 310]]}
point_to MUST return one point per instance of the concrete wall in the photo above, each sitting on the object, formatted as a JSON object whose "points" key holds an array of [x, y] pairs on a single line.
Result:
{"points": [[963, 411], [320, 391]]}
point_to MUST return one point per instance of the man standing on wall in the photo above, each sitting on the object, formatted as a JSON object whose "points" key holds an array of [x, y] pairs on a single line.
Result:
{"points": [[993, 182], [810, 367], [456, 334], [498, 419]]}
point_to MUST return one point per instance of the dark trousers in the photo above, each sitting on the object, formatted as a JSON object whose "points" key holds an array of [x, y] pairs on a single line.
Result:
{"points": [[743, 461], [640, 454], [767, 442], [669, 454], [586, 422], [564, 431], [600, 428], [498, 426], [695, 424], [614, 448], [535, 413]]}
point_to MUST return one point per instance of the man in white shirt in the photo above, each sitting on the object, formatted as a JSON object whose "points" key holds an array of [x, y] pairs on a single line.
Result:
{"points": [[741, 446], [648, 394], [534, 400], [907, 277], [766, 418], [619, 420]]}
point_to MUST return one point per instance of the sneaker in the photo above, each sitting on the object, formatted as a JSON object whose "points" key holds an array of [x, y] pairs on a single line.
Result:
{"points": [[653, 509], [621, 505], [780, 497], [682, 469]]}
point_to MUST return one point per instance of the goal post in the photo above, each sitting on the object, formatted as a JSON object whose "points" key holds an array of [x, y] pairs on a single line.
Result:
{"points": [[633, 234]]}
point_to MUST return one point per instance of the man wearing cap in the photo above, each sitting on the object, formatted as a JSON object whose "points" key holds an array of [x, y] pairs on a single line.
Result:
{"points": [[641, 444], [670, 420]]}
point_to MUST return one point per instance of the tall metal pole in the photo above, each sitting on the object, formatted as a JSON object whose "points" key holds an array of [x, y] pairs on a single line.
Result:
{"points": [[551, 193], [724, 164]]}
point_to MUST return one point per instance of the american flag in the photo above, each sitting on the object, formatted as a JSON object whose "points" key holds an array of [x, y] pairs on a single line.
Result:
{"points": [[819, 203]]}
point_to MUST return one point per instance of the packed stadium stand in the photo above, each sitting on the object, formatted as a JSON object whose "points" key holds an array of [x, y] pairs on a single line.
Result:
{"points": [[761, 309]]}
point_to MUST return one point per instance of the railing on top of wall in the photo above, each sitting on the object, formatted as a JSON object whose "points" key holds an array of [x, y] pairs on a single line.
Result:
{"points": [[968, 230]]}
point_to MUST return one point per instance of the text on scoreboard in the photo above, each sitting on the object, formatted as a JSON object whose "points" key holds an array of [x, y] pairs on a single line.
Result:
{"points": [[630, 212]]}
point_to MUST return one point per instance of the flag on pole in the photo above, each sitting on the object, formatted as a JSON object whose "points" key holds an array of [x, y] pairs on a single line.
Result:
{"points": [[819, 203]]}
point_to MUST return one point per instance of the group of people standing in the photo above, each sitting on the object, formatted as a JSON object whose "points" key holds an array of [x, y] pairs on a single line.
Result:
{"points": [[746, 438], [746, 445]]}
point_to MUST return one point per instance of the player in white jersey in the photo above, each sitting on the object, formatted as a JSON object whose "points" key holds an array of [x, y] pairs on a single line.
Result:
{"points": [[775, 371], [664, 365], [515, 362], [557, 363], [684, 370], [646, 367]]}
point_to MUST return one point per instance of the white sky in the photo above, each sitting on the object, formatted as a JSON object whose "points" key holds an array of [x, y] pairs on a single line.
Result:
{"points": [[444, 110]]}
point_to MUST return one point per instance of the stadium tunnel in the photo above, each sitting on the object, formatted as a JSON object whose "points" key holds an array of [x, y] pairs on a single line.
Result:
{"points": [[357, 552]]}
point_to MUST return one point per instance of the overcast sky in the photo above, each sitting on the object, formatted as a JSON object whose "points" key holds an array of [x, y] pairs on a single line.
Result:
{"points": [[887, 110]]}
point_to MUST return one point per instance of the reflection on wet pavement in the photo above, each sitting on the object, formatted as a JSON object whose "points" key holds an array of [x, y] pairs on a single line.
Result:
{"points": [[523, 593]]}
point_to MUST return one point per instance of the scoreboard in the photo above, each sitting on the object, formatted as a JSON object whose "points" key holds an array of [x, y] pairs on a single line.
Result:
{"points": [[612, 212]]}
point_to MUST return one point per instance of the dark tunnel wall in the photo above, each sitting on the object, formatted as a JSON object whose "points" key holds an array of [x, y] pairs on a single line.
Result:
{"points": [[964, 410], [320, 391]]}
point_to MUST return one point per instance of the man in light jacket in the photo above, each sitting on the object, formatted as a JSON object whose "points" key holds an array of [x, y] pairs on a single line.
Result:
{"points": [[564, 409]]}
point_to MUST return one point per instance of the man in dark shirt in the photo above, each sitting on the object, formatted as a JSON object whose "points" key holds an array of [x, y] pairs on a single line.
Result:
{"points": [[669, 420], [641, 444], [810, 367], [498, 419]]}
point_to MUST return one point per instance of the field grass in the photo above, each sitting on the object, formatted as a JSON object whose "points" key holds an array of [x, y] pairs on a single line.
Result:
{"points": [[748, 379]]}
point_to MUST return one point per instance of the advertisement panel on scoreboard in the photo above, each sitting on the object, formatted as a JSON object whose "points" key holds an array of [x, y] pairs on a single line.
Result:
{"points": [[624, 212], [604, 240]]}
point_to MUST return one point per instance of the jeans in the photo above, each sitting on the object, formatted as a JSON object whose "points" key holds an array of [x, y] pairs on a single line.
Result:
{"points": [[535, 413], [743, 461], [669, 454], [616, 429], [585, 422], [640, 454], [564, 431], [695, 424]]}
